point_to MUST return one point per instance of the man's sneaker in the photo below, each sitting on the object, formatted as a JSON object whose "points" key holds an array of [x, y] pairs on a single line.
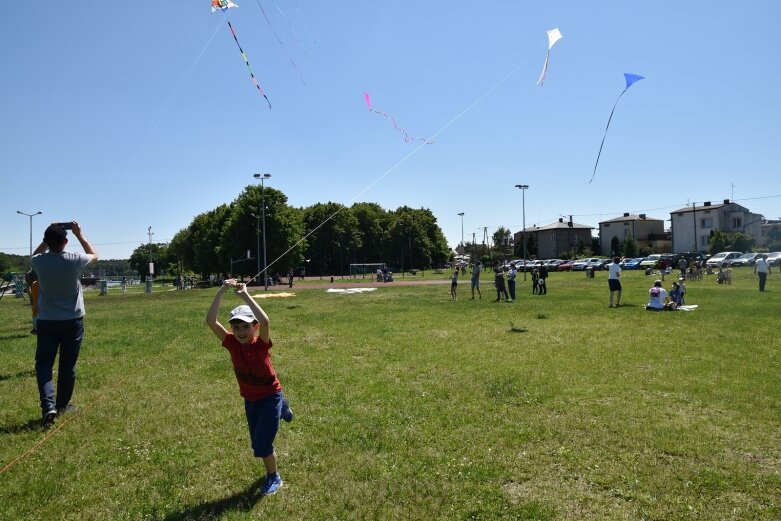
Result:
{"points": [[272, 483], [287, 412], [67, 409], [48, 418]]}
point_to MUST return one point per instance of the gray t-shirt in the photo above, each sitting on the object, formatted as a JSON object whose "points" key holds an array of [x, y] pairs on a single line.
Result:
{"points": [[60, 296]]}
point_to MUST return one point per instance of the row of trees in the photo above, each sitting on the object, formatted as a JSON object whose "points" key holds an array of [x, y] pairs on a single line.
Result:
{"points": [[324, 239]]}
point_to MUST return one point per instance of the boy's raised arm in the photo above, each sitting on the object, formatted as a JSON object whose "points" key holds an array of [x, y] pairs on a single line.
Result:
{"points": [[211, 317]]}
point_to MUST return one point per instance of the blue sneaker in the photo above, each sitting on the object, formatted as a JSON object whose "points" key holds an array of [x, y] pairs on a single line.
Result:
{"points": [[287, 412], [271, 485]]}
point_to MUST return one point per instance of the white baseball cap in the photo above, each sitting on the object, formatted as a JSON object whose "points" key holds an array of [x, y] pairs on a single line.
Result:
{"points": [[243, 313]]}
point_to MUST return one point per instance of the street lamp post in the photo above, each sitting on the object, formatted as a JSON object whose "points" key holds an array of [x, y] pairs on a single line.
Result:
{"points": [[30, 215], [523, 189], [257, 235], [263, 177], [462, 228]]}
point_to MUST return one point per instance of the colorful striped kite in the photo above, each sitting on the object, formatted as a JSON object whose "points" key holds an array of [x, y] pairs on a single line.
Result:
{"points": [[222, 5], [553, 36], [252, 74], [630, 79], [407, 139]]}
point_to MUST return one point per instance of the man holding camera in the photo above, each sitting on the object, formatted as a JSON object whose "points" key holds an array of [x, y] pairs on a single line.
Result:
{"points": [[60, 315]]}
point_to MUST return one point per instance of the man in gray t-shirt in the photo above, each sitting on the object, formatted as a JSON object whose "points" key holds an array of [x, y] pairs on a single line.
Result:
{"points": [[60, 323]]}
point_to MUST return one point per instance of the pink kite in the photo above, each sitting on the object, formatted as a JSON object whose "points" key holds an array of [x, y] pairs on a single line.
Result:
{"points": [[407, 138], [554, 35]]}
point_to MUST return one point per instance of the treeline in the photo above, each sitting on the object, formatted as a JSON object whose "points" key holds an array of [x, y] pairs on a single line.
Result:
{"points": [[323, 239], [10, 262]]}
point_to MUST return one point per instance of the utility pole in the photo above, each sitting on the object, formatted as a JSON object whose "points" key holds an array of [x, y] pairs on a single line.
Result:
{"points": [[148, 286]]}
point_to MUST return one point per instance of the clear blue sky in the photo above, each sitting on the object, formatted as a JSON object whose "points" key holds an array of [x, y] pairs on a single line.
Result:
{"points": [[125, 115]]}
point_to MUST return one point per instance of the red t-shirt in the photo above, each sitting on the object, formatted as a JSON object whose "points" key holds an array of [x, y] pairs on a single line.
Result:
{"points": [[252, 366]]}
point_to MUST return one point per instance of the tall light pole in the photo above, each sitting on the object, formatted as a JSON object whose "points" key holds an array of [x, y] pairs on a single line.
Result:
{"points": [[462, 229], [257, 234], [263, 177], [30, 215], [523, 189]]}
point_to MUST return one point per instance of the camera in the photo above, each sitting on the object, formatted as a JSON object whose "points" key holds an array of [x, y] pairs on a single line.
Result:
{"points": [[67, 226]]}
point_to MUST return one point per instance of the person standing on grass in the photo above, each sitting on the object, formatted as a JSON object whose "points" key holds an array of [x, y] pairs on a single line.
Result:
{"points": [[454, 284], [614, 281], [511, 282], [543, 280], [60, 324], [762, 268], [248, 343], [477, 267], [501, 289]]}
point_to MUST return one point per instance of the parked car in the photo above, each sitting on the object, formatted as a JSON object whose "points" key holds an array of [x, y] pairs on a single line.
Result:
{"points": [[580, 264], [723, 259], [566, 265], [598, 264], [649, 262], [774, 259], [747, 259], [553, 264], [696, 256], [670, 260], [632, 264]]}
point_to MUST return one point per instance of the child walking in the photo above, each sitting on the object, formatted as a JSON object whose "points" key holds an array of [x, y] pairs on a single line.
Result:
{"points": [[248, 343]]}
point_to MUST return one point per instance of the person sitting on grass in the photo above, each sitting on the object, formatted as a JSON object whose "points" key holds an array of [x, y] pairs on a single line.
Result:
{"points": [[249, 343], [657, 296], [676, 295]]}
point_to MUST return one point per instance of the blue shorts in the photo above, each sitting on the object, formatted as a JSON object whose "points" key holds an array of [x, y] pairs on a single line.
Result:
{"points": [[615, 284], [263, 420]]}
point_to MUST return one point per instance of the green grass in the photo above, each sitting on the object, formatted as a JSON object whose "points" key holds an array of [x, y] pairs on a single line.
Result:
{"points": [[410, 406]]}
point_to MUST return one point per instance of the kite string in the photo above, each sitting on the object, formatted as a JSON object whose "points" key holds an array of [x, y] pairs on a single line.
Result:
{"points": [[401, 161], [293, 63]]}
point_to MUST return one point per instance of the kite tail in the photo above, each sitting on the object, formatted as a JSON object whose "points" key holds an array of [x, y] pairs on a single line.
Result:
{"points": [[249, 68], [603, 137], [544, 70]]}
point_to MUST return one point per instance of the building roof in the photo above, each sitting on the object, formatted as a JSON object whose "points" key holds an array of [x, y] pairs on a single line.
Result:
{"points": [[558, 225], [631, 217], [710, 206]]}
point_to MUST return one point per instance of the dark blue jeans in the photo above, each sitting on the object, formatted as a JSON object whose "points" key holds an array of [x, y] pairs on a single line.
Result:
{"points": [[65, 335]]}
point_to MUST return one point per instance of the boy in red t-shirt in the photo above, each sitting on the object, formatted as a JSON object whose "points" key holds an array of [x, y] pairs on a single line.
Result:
{"points": [[249, 343]]}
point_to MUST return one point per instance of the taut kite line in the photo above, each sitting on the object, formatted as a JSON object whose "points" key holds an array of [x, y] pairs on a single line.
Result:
{"points": [[407, 138], [252, 74], [630, 79]]}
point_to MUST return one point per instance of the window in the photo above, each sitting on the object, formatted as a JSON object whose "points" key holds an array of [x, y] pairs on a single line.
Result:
{"points": [[737, 222], [706, 222], [703, 241]]}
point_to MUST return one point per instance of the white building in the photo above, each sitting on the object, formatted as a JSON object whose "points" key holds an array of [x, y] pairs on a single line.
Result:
{"points": [[692, 226]]}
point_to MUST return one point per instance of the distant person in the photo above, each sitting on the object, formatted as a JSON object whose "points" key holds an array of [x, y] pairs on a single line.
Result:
{"points": [[454, 284], [676, 295], [501, 289], [657, 296], [762, 269], [683, 265], [614, 281], [60, 324], [123, 285], [535, 281], [290, 278], [249, 343], [511, 282], [477, 268], [543, 280]]}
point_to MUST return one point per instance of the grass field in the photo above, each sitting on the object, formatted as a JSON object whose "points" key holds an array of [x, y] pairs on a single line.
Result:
{"points": [[411, 406]]}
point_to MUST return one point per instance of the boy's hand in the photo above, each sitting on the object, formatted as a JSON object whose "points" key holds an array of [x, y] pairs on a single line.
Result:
{"points": [[241, 288], [229, 283]]}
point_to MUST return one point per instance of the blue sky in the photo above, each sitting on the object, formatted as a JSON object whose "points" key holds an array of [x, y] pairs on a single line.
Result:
{"points": [[125, 115]]}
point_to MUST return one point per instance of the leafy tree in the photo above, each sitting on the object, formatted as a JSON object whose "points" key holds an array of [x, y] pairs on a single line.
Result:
{"points": [[741, 242], [773, 237], [334, 234], [629, 247], [503, 242], [141, 256], [615, 246], [373, 224]]}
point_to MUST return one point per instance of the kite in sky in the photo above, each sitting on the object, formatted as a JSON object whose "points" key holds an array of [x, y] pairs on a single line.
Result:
{"points": [[222, 5], [630, 79], [554, 35], [407, 139], [252, 74]]}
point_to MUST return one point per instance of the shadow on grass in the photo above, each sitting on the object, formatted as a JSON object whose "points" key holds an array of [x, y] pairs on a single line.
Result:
{"points": [[30, 425], [517, 329], [243, 501], [20, 374]]}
